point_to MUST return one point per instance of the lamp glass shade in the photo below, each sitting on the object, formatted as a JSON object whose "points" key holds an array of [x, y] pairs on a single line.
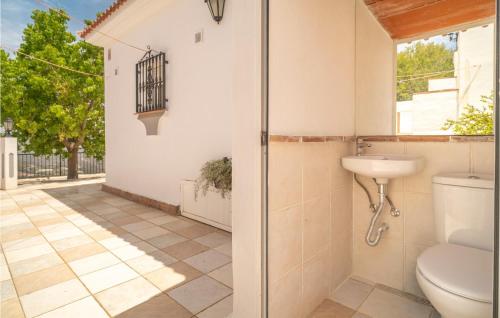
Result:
{"points": [[8, 124], [216, 8]]}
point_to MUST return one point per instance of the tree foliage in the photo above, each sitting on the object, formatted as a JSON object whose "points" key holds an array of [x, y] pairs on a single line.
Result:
{"points": [[55, 110], [415, 64], [474, 120]]}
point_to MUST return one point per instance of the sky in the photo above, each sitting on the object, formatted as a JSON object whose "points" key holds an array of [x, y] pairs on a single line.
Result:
{"points": [[438, 39], [16, 14]]}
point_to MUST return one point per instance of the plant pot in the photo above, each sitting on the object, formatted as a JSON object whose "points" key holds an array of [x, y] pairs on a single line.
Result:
{"points": [[210, 209]]}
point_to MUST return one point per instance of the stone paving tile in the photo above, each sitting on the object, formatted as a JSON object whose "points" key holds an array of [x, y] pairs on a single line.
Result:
{"points": [[62, 242], [185, 249], [44, 278]]}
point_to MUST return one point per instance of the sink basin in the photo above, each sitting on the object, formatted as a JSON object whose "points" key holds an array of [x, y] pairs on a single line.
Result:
{"points": [[383, 167]]}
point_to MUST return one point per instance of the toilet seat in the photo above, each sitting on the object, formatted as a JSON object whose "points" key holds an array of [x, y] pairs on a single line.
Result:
{"points": [[463, 271]]}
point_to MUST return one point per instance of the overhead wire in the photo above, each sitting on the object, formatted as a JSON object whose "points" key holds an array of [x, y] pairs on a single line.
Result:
{"points": [[50, 63], [431, 73], [418, 78], [66, 14]]}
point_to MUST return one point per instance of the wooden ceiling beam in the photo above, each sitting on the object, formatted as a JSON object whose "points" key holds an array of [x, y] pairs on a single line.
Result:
{"points": [[410, 18]]}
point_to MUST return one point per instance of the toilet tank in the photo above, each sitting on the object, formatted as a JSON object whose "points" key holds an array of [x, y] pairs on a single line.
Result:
{"points": [[464, 209]]}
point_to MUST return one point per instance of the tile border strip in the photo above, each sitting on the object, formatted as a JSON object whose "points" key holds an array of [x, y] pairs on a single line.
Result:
{"points": [[166, 207], [388, 138], [283, 138]]}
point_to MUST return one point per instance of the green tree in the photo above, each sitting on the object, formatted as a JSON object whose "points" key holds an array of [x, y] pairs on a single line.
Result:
{"points": [[417, 64], [474, 120], [10, 84], [56, 110]]}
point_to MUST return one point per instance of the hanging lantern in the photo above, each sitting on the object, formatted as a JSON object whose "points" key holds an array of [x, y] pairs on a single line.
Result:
{"points": [[216, 8], [8, 125]]}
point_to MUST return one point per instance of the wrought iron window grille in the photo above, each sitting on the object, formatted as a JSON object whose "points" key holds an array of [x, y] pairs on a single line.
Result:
{"points": [[150, 82]]}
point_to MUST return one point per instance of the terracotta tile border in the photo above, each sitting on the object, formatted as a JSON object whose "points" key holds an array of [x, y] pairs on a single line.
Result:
{"points": [[435, 138], [389, 138], [169, 208], [283, 138]]}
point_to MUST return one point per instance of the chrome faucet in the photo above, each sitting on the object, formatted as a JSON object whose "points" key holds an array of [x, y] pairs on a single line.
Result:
{"points": [[360, 146]]}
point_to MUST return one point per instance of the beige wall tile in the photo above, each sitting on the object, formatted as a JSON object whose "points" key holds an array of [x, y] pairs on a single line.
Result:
{"points": [[412, 251], [439, 158], [285, 174], [342, 261], [285, 241], [340, 176], [285, 295], [341, 236], [382, 263], [483, 157], [419, 219], [362, 213], [316, 169], [316, 226], [316, 282]]}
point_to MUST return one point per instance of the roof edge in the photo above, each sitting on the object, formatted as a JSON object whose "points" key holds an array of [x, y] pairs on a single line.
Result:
{"points": [[104, 16]]}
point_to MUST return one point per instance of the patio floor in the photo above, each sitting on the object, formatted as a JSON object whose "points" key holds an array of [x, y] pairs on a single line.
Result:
{"points": [[72, 250]]}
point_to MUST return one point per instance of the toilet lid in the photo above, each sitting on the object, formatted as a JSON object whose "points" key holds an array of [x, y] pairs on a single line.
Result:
{"points": [[461, 270]]}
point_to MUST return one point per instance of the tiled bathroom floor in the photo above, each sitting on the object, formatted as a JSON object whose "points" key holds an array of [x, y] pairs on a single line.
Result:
{"points": [[71, 250], [361, 299]]}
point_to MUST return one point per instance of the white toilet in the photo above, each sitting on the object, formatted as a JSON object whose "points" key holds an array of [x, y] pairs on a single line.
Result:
{"points": [[457, 274]]}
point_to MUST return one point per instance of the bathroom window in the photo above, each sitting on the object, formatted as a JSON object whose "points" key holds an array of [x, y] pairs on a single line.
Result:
{"points": [[444, 83]]}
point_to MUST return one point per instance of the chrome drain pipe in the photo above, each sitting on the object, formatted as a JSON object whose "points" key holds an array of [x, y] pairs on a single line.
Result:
{"points": [[370, 240]]}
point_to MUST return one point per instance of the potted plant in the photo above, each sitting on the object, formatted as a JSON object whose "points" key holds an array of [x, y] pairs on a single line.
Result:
{"points": [[213, 206], [216, 174]]}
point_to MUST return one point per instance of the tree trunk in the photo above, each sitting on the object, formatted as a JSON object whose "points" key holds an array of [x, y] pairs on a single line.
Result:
{"points": [[73, 164]]}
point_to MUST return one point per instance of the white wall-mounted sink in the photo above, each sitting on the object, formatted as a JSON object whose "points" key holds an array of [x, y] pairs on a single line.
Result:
{"points": [[383, 167]]}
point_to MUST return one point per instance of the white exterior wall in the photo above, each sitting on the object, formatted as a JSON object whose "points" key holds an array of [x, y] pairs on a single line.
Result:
{"points": [[439, 84], [197, 125], [431, 110], [475, 65], [374, 75]]}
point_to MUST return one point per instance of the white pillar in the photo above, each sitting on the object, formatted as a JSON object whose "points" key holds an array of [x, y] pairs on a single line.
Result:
{"points": [[8, 161]]}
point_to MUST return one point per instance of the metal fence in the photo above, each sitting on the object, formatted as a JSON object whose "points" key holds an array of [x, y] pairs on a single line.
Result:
{"points": [[31, 166]]}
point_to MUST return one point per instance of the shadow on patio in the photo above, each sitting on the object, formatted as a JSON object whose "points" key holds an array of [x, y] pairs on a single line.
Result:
{"points": [[72, 248]]}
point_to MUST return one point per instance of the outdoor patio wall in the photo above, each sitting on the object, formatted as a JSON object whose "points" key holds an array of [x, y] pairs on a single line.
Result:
{"points": [[310, 224], [393, 261], [197, 125], [374, 75]]}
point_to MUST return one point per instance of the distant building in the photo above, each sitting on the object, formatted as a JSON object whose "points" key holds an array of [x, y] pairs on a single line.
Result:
{"points": [[446, 97]]}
